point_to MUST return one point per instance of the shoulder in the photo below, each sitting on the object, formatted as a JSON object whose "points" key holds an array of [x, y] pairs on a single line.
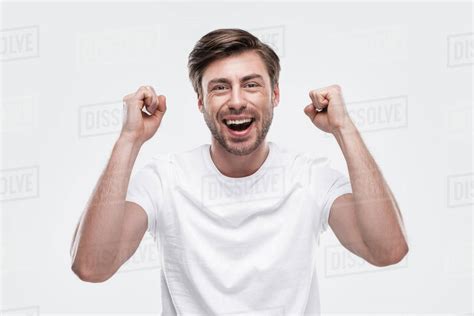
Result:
{"points": [[175, 161], [177, 156], [301, 167], [187, 160], [300, 159]]}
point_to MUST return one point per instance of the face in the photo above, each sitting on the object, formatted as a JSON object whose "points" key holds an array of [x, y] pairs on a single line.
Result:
{"points": [[237, 102]]}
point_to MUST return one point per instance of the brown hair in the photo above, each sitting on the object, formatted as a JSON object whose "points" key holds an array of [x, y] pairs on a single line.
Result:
{"points": [[222, 43]]}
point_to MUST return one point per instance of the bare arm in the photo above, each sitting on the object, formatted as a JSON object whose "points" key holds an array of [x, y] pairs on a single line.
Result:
{"points": [[98, 235], [110, 229], [368, 222]]}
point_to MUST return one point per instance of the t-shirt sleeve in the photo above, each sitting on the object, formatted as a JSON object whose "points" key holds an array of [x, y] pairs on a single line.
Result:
{"points": [[327, 184], [146, 189]]}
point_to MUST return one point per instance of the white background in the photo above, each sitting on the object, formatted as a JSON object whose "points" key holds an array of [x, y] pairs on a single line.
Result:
{"points": [[406, 74]]}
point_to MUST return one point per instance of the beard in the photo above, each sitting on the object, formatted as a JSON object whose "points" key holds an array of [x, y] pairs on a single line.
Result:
{"points": [[239, 148]]}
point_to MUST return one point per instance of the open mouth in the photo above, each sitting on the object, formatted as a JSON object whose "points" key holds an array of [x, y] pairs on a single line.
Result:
{"points": [[239, 125]]}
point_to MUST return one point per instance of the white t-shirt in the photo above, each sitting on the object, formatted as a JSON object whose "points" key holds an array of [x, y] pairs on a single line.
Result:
{"points": [[238, 246]]}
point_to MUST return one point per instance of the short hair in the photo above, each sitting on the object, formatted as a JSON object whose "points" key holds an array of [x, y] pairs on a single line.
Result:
{"points": [[222, 43]]}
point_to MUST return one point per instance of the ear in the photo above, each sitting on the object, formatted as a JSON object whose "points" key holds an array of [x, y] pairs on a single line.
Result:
{"points": [[276, 95], [200, 103]]}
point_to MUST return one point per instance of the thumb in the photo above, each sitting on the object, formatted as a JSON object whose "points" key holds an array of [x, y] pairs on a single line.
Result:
{"points": [[310, 111], [161, 106]]}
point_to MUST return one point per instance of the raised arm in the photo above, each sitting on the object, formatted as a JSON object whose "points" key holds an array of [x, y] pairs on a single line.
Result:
{"points": [[110, 228], [368, 222]]}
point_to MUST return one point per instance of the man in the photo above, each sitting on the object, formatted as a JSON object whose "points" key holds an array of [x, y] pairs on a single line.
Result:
{"points": [[237, 221]]}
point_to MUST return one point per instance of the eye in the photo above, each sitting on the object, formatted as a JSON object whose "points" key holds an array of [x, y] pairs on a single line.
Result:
{"points": [[252, 84], [218, 87]]}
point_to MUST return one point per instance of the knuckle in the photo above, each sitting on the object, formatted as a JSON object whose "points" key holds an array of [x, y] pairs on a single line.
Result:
{"points": [[127, 97], [142, 89], [337, 87]]}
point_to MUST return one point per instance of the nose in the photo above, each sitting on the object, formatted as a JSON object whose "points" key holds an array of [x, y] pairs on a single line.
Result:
{"points": [[237, 100]]}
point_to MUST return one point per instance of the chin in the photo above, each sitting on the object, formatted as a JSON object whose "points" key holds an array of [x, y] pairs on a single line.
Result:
{"points": [[241, 148]]}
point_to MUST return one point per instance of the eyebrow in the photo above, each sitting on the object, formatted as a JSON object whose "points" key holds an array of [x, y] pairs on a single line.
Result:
{"points": [[243, 79]]}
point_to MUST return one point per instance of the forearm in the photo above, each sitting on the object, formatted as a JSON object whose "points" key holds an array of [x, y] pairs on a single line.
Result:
{"points": [[378, 216], [96, 240]]}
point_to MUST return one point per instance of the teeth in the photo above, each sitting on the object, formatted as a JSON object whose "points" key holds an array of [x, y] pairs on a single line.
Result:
{"points": [[235, 122]]}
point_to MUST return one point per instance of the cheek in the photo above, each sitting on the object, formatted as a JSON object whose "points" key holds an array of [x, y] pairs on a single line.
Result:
{"points": [[259, 97], [210, 111], [218, 100]]}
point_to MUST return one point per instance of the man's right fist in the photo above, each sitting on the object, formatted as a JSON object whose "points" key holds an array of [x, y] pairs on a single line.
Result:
{"points": [[139, 126]]}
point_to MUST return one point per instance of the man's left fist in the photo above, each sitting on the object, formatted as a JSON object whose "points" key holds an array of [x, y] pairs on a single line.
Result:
{"points": [[327, 110]]}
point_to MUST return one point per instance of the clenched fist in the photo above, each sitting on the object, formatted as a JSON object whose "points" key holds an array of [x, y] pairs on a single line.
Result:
{"points": [[327, 110], [138, 126]]}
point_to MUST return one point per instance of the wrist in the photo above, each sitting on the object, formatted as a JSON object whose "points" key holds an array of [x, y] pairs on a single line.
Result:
{"points": [[130, 140], [348, 128]]}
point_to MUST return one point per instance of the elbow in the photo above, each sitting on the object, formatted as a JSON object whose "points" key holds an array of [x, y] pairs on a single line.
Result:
{"points": [[392, 256], [89, 275]]}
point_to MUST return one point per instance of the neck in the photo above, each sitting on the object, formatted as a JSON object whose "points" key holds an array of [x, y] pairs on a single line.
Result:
{"points": [[236, 166]]}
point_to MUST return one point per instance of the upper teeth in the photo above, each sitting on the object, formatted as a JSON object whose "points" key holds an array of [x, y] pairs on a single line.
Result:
{"points": [[238, 121]]}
